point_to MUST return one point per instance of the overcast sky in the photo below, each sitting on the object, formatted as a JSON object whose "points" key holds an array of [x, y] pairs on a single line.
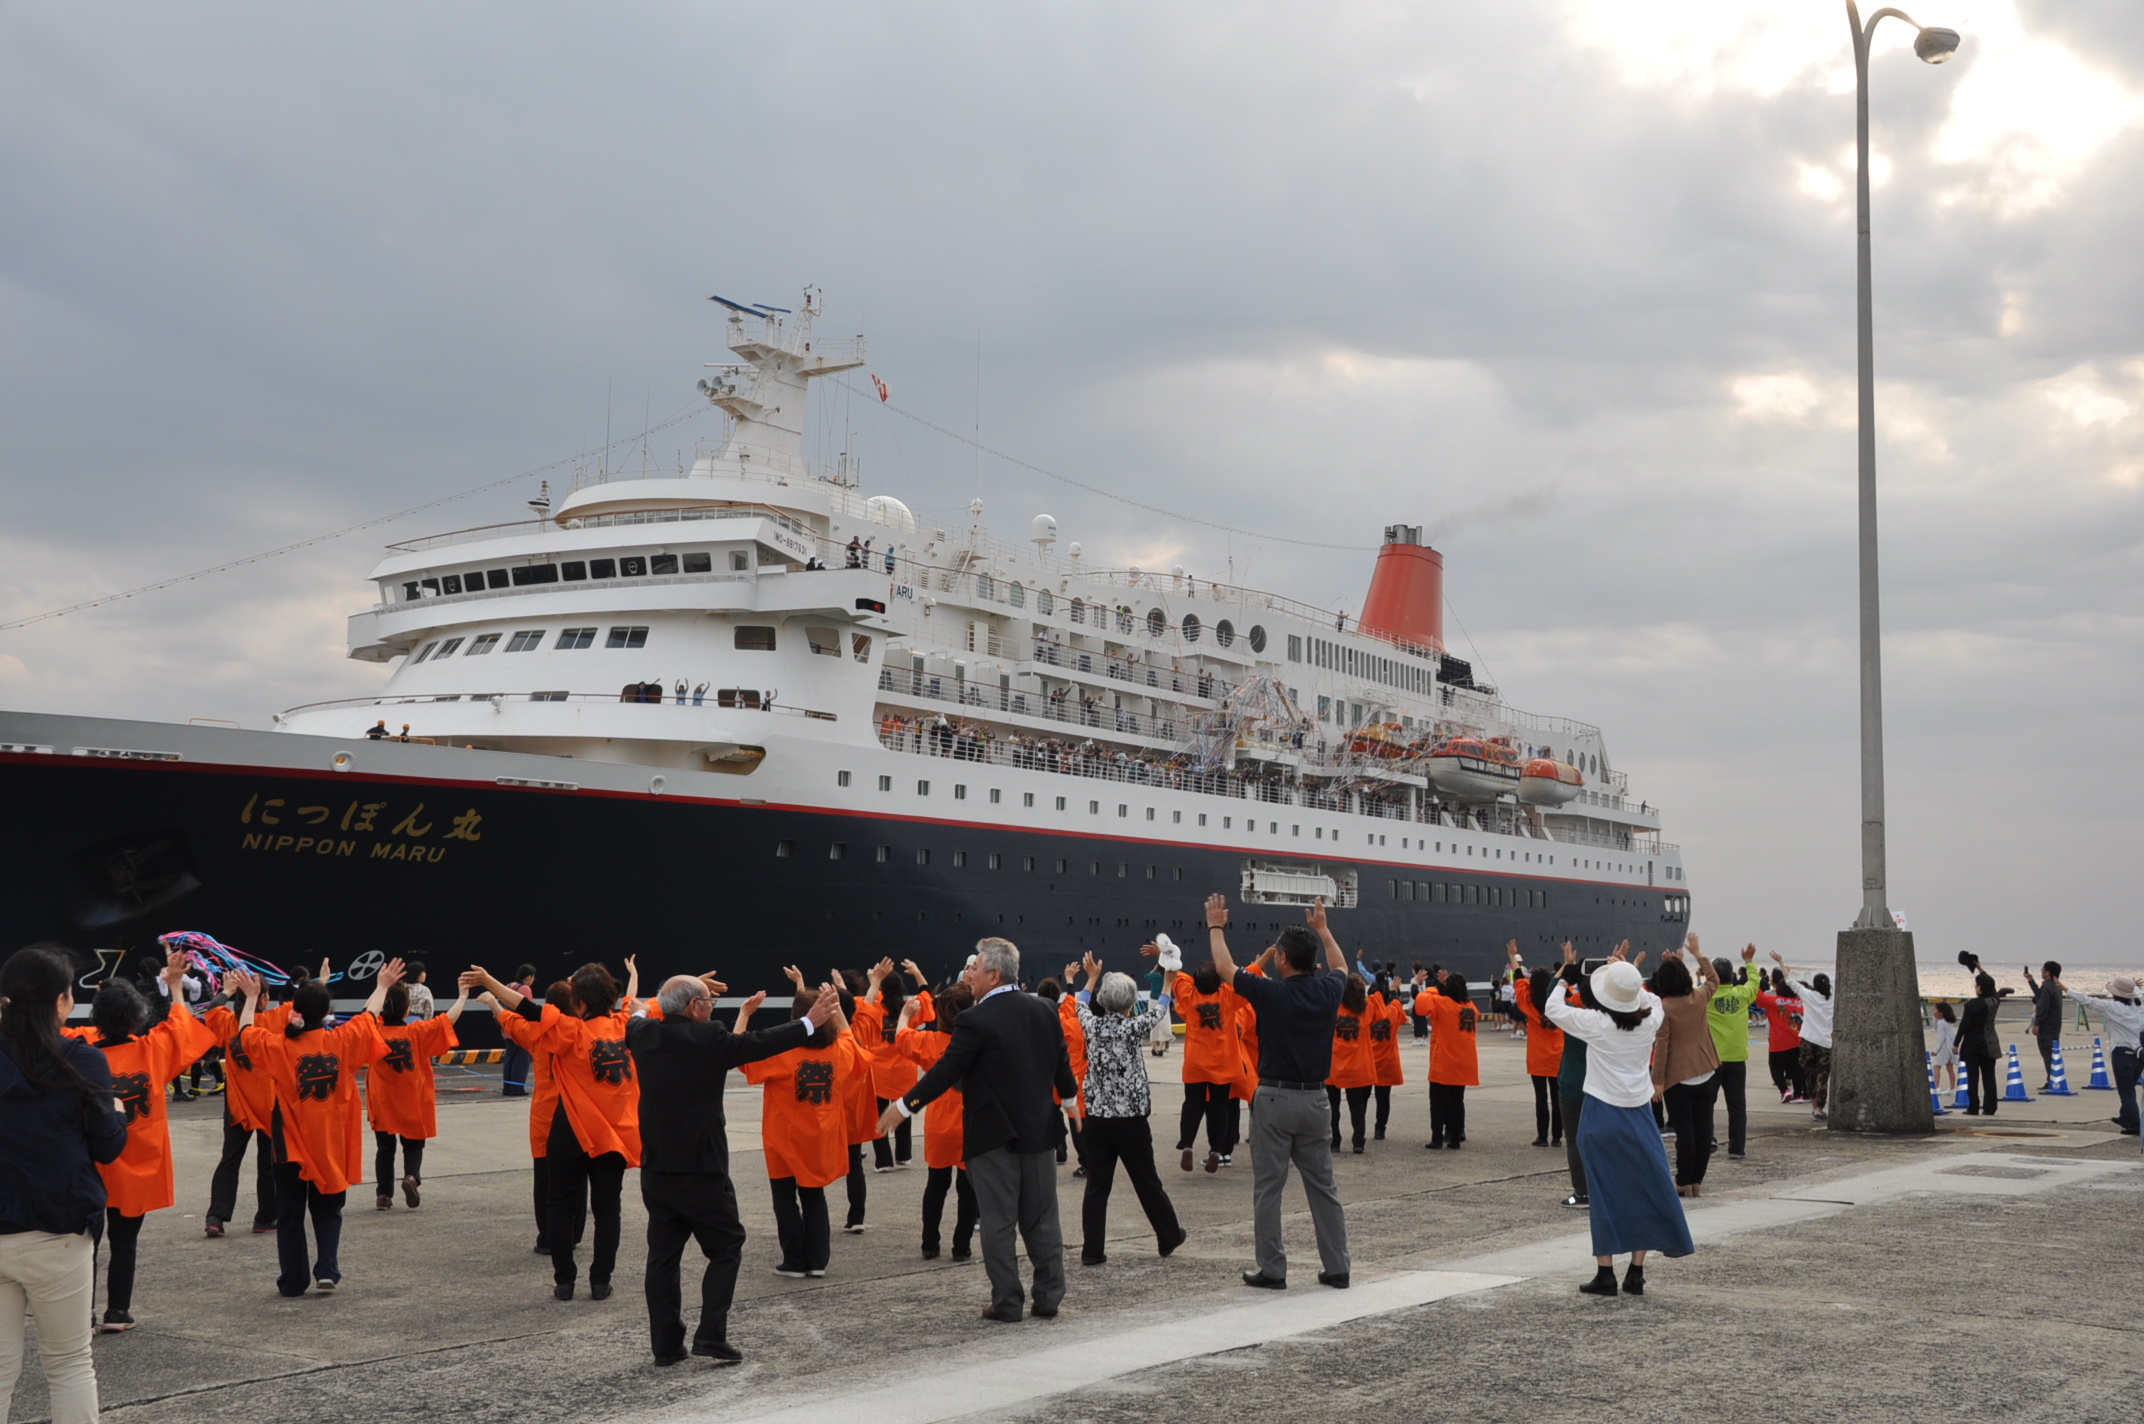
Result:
{"points": [[1571, 283]]}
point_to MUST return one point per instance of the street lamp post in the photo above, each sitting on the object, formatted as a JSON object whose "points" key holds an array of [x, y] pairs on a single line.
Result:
{"points": [[1879, 1080]]}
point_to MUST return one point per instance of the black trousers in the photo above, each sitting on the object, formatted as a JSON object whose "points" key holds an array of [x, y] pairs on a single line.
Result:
{"points": [[2047, 1043], [1384, 1106], [295, 1200], [1129, 1140], [856, 1184], [1358, 1106], [1980, 1093], [1733, 1079], [885, 1151], [690, 1206], [223, 1186], [1548, 1109], [383, 1161], [581, 1184], [1573, 1109], [2124, 1063], [1786, 1064], [1447, 1113], [515, 1072], [122, 1235], [941, 1181], [800, 1224], [542, 1181], [1689, 1108], [1207, 1102]]}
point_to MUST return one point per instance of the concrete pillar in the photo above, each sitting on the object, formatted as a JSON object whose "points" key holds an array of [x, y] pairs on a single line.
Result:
{"points": [[1879, 1071]]}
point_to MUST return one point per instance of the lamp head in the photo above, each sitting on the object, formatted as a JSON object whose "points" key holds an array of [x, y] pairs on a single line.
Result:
{"points": [[1935, 45]]}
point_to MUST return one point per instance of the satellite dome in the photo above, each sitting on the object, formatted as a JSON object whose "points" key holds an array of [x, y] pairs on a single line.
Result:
{"points": [[885, 509], [1043, 530]]}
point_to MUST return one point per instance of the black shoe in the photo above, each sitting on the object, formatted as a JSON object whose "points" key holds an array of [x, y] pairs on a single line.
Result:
{"points": [[1079, 1171], [1380, 1134], [1577, 1199], [1634, 1281], [564, 1292], [1603, 1282], [1336, 1142], [1336, 1279], [1087, 1260], [722, 1352], [677, 1359], [599, 1290], [1168, 1248], [930, 1253], [1358, 1147], [212, 1227], [1736, 1156], [1043, 1312], [1259, 1280], [963, 1253], [543, 1247], [1540, 1142], [990, 1312], [1433, 1146], [116, 1322]]}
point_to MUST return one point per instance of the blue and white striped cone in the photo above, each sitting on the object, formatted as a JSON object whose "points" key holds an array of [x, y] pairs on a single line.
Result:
{"points": [[2099, 1069], [1964, 1099], [2014, 1089], [1935, 1094], [2058, 1078]]}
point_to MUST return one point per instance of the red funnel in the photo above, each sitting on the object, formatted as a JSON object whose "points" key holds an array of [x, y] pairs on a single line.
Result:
{"points": [[1406, 598]]}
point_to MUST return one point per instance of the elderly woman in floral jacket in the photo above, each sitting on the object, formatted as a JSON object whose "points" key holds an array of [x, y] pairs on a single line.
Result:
{"points": [[1118, 1102]]}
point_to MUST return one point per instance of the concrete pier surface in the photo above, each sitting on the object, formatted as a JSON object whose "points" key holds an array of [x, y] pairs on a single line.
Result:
{"points": [[1986, 1272]]}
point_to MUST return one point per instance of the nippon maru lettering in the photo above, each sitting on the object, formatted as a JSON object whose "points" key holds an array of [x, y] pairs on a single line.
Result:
{"points": [[647, 719]]}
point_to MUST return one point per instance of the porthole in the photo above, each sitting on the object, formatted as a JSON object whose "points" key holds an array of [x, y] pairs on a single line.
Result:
{"points": [[1224, 632], [1045, 602], [1191, 627], [1157, 623], [1257, 636]]}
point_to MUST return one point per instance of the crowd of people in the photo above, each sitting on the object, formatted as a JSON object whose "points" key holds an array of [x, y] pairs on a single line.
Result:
{"points": [[1011, 1082]]}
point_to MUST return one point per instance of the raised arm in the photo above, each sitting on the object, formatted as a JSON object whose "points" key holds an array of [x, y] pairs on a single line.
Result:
{"points": [[388, 977], [745, 1011], [454, 1010], [1217, 936], [632, 976], [1315, 918], [477, 977]]}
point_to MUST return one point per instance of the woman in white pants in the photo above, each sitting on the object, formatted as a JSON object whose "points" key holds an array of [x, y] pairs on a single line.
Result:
{"points": [[58, 1119]]}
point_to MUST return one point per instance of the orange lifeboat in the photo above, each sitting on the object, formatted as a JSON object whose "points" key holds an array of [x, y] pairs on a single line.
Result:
{"points": [[1474, 769], [1545, 781], [1384, 740]]}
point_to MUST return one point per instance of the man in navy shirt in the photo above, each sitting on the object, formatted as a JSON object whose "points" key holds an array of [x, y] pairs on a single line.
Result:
{"points": [[1295, 1056]]}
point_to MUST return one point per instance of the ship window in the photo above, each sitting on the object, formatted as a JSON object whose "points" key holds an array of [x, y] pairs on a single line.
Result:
{"points": [[923, 788], [1202, 818], [960, 793], [1122, 870], [526, 641], [547, 697], [1224, 632], [1191, 627], [1227, 822], [1258, 638], [663, 564], [1019, 596], [1295, 647], [473, 581], [574, 638], [885, 783], [1157, 623], [1060, 803], [1079, 611], [923, 856], [409, 593], [784, 849], [1027, 798], [1094, 867], [740, 561], [839, 850], [1061, 866], [824, 640], [535, 573], [700, 563], [982, 585], [450, 583], [960, 859], [626, 638], [753, 639], [1295, 830], [1027, 863], [484, 643], [1179, 873], [1394, 887], [1094, 808], [1544, 900], [1176, 818], [423, 655], [1044, 603], [632, 566], [885, 853], [1123, 810], [860, 646], [573, 570], [446, 649], [1151, 872], [431, 585], [495, 578], [602, 568], [996, 796]]}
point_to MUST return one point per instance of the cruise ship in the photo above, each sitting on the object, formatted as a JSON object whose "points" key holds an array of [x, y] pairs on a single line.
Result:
{"points": [[739, 714]]}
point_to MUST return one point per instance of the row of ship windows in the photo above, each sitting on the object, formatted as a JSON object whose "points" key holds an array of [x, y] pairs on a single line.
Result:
{"points": [[1250, 823], [839, 850], [1437, 892], [572, 571], [530, 639], [1354, 662]]}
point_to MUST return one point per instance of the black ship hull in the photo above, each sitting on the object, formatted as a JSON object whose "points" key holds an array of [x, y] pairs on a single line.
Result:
{"points": [[295, 864]]}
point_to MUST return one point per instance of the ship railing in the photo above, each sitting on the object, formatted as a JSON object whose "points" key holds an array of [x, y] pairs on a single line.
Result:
{"points": [[648, 581], [599, 521], [702, 699], [758, 462], [936, 687]]}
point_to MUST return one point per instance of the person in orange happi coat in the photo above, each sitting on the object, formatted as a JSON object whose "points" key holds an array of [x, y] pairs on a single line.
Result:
{"points": [[314, 1069], [400, 1097], [1453, 1066], [142, 1061], [595, 1135], [867, 1022], [1060, 996], [944, 1121], [1544, 1050], [892, 1074], [248, 1114], [543, 1102], [1213, 1063], [804, 1127], [1354, 1068], [1387, 1016]]}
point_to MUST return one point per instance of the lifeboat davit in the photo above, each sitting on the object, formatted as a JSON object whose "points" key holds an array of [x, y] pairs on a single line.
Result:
{"points": [[1547, 782], [1473, 769], [1384, 740]]}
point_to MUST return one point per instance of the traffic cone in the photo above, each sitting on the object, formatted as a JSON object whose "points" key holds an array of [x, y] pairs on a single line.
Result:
{"points": [[1935, 1094], [2014, 1089], [1964, 1099], [2058, 1078], [2099, 1069]]}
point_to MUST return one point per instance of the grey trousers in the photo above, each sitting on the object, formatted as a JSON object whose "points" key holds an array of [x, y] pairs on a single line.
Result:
{"points": [[1019, 1193], [1292, 1127]]}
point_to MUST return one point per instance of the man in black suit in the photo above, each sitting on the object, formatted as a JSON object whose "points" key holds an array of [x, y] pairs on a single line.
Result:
{"points": [[1007, 1055], [682, 1059]]}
